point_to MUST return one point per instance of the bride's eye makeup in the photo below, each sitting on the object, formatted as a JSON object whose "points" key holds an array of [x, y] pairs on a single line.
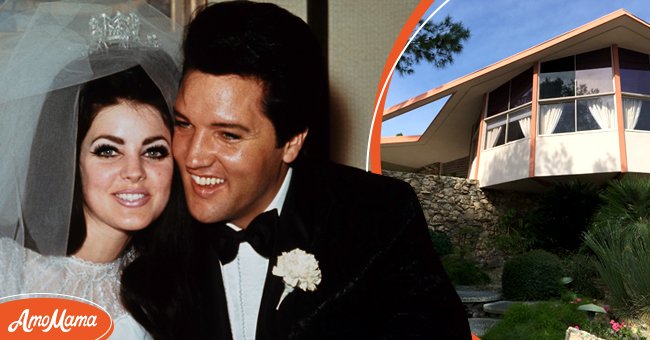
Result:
{"points": [[105, 151], [156, 152]]}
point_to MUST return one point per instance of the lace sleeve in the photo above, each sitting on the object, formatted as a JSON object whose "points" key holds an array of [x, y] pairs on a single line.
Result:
{"points": [[25, 271], [12, 258]]}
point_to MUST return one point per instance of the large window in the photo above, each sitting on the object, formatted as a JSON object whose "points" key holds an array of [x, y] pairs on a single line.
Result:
{"points": [[557, 78], [635, 84], [576, 93], [635, 71], [508, 110], [508, 127], [579, 115], [515, 92]]}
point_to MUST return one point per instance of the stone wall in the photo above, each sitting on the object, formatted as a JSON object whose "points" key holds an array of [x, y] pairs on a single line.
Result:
{"points": [[461, 209]]}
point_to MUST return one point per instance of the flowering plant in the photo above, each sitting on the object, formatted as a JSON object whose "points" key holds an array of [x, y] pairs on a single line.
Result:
{"points": [[618, 330], [616, 326], [297, 269]]}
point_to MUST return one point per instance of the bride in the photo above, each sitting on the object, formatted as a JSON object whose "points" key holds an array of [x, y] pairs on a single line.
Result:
{"points": [[86, 178]]}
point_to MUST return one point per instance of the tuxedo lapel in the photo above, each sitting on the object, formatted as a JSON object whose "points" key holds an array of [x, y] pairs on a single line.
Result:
{"points": [[217, 309], [266, 319], [298, 224], [290, 233]]}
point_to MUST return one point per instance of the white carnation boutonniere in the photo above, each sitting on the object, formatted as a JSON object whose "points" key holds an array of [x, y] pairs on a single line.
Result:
{"points": [[297, 269]]}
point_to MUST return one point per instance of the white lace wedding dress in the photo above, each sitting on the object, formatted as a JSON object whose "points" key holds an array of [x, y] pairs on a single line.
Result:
{"points": [[25, 271]]}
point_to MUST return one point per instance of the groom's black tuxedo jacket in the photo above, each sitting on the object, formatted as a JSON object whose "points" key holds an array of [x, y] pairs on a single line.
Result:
{"points": [[380, 275]]}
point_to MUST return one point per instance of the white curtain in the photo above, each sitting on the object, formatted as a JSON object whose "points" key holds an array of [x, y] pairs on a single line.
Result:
{"points": [[550, 117], [632, 109], [602, 112], [493, 136], [524, 124]]}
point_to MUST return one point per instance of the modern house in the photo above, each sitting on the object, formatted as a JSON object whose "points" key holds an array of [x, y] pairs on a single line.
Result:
{"points": [[577, 105]]}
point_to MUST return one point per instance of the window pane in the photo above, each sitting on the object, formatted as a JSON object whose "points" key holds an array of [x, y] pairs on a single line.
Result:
{"points": [[555, 85], [635, 81], [519, 124], [557, 65], [632, 108], [594, 114], [557, 78], [594, 59], [496, 132], [594, 81], [635, 71], [566, 122], [555, 118], [633, 60], [495, 137], [594, 72], [643, 119], [514, 131], [502, 137], [498, 100], [521, 89]]}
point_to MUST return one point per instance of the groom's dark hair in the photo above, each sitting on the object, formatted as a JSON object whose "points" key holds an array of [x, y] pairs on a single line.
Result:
{"points": [[264, 42]]}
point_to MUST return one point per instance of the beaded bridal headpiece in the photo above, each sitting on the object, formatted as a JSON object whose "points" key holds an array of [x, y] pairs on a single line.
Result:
{"points": [[121, 29]]}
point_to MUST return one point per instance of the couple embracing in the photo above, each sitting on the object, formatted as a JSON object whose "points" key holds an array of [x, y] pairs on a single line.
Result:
{"points": [[224, 226]]}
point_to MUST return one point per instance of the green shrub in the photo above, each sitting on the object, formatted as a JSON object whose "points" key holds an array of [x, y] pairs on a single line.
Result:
{"points": [[441, 242], [564, 214], [543, 320], [623, 261], [466, 237], [620, 240], [625, 201], [463, 271], [535, 275], [513, 233], [586, 280]]}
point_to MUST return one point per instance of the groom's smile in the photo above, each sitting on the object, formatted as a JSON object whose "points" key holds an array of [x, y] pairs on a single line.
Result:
{"points": [[207, 181], [206, 186]]}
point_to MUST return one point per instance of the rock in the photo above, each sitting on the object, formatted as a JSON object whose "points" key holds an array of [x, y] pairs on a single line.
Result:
{"points": [[576, 334]]}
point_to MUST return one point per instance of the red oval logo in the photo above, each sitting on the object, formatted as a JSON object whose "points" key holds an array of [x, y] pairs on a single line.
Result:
{"points": [[52, 316]]}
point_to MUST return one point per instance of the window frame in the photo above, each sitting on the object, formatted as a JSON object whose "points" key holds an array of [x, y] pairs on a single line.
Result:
{"points": [[509, 98], [642, 97], [574, 100], [518, 112]]}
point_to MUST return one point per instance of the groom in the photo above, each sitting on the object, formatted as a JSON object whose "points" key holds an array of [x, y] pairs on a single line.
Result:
{"points": [[298, 249]]}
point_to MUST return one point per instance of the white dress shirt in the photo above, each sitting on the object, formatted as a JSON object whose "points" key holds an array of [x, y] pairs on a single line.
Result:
{"points": [[243, 278]]}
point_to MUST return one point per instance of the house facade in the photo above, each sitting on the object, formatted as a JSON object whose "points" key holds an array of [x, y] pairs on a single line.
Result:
{"points": [[576, 106]]}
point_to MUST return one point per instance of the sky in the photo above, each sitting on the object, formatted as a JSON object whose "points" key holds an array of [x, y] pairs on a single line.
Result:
{"points": [[498, 29]]}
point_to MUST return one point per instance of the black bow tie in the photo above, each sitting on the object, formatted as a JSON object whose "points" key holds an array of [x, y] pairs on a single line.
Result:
{"points": [[259, 234]]}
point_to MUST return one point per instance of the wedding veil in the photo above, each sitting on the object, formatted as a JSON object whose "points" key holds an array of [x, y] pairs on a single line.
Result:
{"points": [[45, 55]]}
